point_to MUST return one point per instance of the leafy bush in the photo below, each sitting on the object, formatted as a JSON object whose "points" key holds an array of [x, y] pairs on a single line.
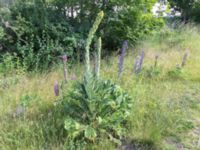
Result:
{"points": [[37, 38], [96, 109], [60, 26]]}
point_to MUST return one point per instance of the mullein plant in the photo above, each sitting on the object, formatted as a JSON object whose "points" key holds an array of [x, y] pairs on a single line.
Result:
{"points": [[98, 58], [95, 109], [89, 41], [121, 58]]}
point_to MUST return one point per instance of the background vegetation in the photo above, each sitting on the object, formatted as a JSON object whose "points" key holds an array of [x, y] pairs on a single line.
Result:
{"points": [[145, 96], [37, 31]]}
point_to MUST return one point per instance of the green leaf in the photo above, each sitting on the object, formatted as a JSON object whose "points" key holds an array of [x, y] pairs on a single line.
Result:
{"points": [[90, 133]]}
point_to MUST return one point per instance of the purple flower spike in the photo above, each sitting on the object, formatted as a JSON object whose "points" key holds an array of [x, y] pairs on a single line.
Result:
{"points": [[56, 88], [121, 57], [74, 77]]}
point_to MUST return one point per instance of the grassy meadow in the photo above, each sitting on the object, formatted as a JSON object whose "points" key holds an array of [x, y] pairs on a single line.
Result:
{"points": [[165, 114]]}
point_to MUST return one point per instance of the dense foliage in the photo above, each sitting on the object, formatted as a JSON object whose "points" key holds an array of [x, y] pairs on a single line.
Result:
{"points": [[190, 9], [38, 31], [96, 109]]}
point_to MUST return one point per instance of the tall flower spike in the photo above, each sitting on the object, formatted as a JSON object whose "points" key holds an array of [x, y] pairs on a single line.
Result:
{"points": [[137, 66], [89, 40], [98, 62], [121, 58], [185, 57], [142, 58], [56, 88]]}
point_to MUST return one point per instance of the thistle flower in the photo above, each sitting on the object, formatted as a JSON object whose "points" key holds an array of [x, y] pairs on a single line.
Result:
{"points": [[56, 88], [185, 57], [89, 40], [121, 58], [74, 77]]}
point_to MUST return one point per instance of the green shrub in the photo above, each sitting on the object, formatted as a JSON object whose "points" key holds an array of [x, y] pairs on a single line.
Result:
{"points": [[37, 22], [96, 109]]}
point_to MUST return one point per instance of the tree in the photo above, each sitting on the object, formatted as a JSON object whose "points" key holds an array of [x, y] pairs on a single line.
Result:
{"points": [[186, 7]]}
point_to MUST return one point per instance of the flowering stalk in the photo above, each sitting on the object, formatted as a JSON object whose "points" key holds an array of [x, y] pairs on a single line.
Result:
{"points": [[121, 58], [185, 57], [98, 58], [89, 40], [64, 59], [137, 64], [56, 88]]}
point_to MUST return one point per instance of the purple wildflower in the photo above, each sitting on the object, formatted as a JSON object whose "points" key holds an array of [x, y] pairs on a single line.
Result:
{"points": [[185, 57], [121, 57], [56, 88], [74, 77]]}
